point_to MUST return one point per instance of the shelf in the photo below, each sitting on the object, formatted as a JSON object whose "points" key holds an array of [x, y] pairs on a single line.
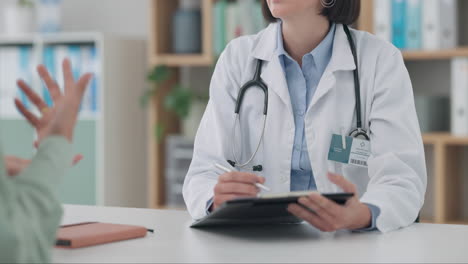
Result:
{"points": [[459, 222], [50, 38], [426, 221], [435, 54], [81, 117], [160, 42], [178, 60], [444, 138]]}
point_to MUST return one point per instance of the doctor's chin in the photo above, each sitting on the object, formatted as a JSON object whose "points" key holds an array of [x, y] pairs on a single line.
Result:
{"points": [[233, 131]]}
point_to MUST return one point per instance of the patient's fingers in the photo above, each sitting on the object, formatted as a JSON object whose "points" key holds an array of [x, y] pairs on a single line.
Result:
{"points": [[33, 96], [51, 84], [32, 119]]}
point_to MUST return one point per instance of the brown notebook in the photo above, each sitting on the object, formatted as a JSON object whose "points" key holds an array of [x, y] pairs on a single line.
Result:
{"points": [[90, 234]]}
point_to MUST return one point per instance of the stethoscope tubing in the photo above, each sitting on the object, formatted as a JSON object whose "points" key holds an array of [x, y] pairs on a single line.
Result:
{"points": [[257, 82]]}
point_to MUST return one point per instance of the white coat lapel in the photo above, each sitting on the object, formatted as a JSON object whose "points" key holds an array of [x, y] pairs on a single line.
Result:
{"points": [[341, 60], [272, 72], [273, 75]]}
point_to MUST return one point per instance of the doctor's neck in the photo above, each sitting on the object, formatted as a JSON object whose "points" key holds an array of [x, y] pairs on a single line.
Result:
{"points": [[303, 32]]}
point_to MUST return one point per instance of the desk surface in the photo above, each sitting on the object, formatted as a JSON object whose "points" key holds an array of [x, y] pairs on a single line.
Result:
{"points": [[174, 241]]}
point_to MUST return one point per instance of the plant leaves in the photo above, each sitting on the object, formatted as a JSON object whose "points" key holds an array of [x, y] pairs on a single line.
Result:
{"points": [[146, 96], [159, 74], [159, 130], [179, 101]]}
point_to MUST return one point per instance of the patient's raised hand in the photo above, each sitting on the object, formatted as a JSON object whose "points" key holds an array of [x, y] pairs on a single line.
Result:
{"points": [[61, 117]]}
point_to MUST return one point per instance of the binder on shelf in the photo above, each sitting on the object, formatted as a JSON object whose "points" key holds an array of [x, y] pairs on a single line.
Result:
{"points": [[459, 96], [233, 28], [399, 23], [88, 64], [247, 24], [413, 24], [383, 19], [219, 26], [74, 53], [431, 25], [440, 27], [15, 63], [60, 53], [448, 24], [49, 63], [235, 19], [84, 58], [25, 71]]}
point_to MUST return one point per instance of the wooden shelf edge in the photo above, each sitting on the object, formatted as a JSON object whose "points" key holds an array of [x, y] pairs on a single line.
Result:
{"points": [[180, 60], [458, 222], [444, 138], [435, 54]]}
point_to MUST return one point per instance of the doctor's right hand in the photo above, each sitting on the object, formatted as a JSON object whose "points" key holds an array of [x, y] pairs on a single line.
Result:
{"points": [[234, 185]]}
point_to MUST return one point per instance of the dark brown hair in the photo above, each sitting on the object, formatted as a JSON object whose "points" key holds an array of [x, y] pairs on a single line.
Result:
{"points": [[343, 12]]}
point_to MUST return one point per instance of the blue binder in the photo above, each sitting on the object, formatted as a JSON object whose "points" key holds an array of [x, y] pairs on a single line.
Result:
{"points": [[25, 58], [414, 24], [399, 23], [49, 63], [94, 84]]}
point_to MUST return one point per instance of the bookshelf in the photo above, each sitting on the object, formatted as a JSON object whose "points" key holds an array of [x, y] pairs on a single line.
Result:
{"points": [[445, 160], [107, 175], [435, 55]]}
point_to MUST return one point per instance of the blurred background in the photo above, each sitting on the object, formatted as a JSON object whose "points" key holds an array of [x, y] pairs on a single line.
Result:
{"points": [[153, 60]]}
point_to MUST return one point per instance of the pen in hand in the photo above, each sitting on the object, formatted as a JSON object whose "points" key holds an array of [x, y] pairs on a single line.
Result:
{"points": [[259, 185]]}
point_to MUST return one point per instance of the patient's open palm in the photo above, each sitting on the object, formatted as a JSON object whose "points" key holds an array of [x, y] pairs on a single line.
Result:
{"points": [[60, 118]]}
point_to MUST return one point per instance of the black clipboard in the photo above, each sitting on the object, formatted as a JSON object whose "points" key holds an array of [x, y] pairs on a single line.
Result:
{"points": [[270, 209]]}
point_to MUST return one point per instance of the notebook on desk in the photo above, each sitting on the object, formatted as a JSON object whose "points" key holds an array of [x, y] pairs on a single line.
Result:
{"points": [[265, 209], [93, 233]]}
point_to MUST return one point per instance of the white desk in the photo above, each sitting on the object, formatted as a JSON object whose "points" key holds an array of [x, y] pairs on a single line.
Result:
{"points": [[174, 241]]}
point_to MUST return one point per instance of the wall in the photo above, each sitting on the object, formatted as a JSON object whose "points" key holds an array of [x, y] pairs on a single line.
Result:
{"points": [[120, 17]]}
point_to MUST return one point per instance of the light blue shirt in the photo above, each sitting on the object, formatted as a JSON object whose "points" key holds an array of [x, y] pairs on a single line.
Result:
{"points": [[302, 84]]}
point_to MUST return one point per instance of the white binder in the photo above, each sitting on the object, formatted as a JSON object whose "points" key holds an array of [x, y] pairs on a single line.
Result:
{"points": [[440, 27], [459, 97], [449, 24], [383, 19], [431, 25]]}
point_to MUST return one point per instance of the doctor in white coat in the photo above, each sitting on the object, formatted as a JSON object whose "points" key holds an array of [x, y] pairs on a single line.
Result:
{"points": [[309, 69]]}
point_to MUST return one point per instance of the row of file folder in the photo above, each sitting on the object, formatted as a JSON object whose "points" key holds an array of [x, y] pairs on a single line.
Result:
{"points": [[459, 96], [417, 24], [235, 19], [19, 62]]}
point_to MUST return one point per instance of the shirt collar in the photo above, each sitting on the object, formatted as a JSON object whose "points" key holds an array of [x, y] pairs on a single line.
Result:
{"points": [[321, 54]]}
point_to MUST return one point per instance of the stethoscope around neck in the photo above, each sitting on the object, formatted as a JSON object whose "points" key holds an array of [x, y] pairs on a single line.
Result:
{"points": [[257, 82]]}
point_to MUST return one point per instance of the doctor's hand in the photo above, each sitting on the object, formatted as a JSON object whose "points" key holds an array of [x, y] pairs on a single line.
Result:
{"points": [[234, 185], [327, 215]]}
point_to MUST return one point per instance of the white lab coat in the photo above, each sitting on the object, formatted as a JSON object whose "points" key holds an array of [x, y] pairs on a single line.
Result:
{"points": [[395, 180]]}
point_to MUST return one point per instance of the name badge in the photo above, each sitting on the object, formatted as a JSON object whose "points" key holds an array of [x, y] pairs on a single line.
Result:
{"points": [[349, 150]]}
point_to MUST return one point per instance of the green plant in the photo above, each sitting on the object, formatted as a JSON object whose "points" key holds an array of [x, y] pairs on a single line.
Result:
{"points": [[179, 100], [26, 3]]}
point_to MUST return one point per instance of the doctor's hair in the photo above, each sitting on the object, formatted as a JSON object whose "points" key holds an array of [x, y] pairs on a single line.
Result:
{"points": [[342, 12]]}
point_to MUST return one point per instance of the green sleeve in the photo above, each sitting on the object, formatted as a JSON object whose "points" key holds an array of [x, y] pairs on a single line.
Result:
{"points": [[30, 212]]}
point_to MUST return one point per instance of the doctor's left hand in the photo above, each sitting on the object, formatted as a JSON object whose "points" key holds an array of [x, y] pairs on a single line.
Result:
{"points": [[327, 215]]}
